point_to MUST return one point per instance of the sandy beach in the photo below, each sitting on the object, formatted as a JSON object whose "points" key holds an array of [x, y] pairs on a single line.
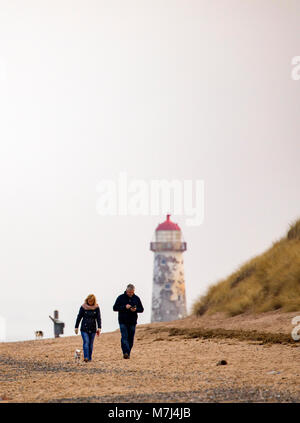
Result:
{"points": [[169, 363]]}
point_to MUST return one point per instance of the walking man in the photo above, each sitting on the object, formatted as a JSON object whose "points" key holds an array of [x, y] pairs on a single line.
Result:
{"points": [[128, 305]]}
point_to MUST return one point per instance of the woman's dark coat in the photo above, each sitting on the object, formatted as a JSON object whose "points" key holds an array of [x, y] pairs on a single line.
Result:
{"points": [[89, 319]]}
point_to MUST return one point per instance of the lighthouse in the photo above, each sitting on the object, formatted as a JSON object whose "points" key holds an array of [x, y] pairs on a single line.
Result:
{"points": [[168, 295]]}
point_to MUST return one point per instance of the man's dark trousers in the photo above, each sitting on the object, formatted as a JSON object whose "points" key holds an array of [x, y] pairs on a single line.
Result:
{"points": [[127, 337]]}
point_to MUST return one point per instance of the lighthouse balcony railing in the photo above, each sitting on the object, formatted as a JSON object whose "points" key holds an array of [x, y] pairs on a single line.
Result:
{"points": [[168, 246]]}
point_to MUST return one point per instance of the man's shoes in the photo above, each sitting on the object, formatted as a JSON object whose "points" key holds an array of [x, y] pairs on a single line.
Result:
{"points": [[85, 360], [126, 355]]}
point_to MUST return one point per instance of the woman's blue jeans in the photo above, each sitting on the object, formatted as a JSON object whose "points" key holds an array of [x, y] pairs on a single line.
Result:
{"points": [[88, 342], [127, 337]]}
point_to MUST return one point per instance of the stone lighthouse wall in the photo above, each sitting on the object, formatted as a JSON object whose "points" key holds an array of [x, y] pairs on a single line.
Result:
{"points": [[168, 296]]}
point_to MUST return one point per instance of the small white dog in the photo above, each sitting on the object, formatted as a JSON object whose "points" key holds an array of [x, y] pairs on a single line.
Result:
{"points": [[77, 355]]}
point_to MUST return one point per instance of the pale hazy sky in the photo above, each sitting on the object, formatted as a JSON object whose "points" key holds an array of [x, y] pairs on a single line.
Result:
{"points": [[162, 90]]}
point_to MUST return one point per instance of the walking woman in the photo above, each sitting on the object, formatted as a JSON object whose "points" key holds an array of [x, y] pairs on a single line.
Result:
{"points": [[90, 314]]}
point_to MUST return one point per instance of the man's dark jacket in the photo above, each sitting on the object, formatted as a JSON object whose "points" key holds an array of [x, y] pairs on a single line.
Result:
{"points": [[126, 315]]}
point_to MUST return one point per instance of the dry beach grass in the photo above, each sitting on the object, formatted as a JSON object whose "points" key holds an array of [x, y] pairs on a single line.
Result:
{"points": [[266, 282], [167, 364]]}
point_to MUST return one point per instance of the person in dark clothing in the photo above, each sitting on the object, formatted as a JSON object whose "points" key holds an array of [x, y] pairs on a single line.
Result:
{"points": [[90, 314], [128, 306]]}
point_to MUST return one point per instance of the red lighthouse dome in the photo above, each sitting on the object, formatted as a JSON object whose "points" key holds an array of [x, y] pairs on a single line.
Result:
{"points": [[167, 225]]}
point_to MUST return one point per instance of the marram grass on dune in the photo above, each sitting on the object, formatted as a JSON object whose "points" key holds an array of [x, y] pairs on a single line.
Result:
{"points": [[266, 282]]}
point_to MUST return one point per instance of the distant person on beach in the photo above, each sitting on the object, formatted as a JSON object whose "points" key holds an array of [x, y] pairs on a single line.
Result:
{"points": [[90, 314], [128, 305]]}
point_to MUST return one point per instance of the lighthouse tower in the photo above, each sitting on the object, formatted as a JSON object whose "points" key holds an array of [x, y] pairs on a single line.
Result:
{"points": [[168, 295]]}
